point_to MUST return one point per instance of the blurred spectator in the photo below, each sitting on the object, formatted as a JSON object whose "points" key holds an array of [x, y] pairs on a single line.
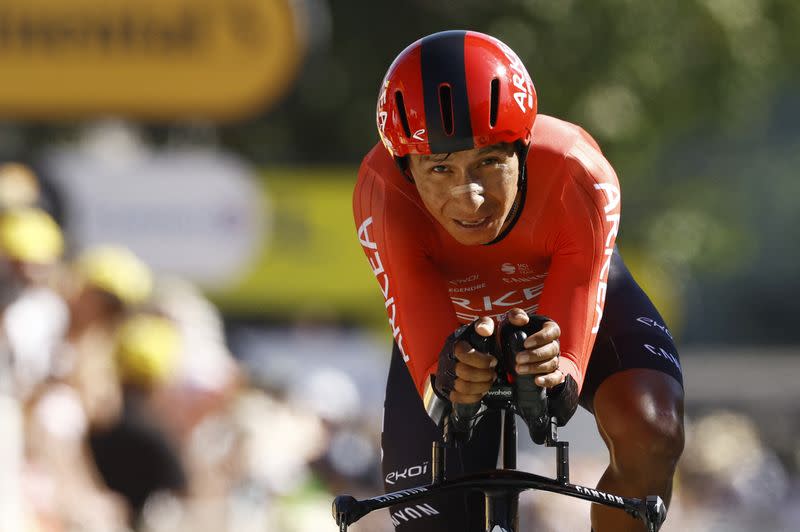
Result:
{"points": [[83, 392], [34, 316], [146, 352], [19, 186], [133, 453], [206, 373], [106, 282], [728, 461]]}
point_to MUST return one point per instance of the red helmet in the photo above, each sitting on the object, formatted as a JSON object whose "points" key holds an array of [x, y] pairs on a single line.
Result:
{"points": [[452, 91]]}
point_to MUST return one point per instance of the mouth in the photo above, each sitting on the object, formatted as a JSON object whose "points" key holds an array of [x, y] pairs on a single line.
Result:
{"points": [[478, 223]]}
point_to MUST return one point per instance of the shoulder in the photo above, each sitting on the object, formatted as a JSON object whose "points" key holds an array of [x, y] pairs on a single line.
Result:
{"points": [[557, 137], [384, 196], [378, 163], [559, 141], [379, 171]]}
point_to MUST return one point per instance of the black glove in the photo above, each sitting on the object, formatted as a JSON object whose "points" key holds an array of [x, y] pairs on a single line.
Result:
{"points": [[562, 400], [437, 396], [446, 370]]}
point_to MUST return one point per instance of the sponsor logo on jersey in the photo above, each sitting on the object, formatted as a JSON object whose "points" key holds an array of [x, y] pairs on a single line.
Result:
{"points": [[510, 269], [663, 353], [650, 322], [524, 279], [594, 162], [374, 258], [471, 307], [466, 288], [612, 202], [465, 280]]}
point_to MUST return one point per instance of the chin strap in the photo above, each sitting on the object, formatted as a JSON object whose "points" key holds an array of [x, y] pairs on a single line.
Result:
{"points": [[522, 154]]}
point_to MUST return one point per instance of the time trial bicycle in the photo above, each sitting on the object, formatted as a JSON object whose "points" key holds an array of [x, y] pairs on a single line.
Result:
{"points": [[512, 395]]}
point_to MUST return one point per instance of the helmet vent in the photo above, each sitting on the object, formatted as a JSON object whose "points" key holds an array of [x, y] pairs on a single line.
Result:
{"points": [[401, 110], [446, 105], [494, 98]]}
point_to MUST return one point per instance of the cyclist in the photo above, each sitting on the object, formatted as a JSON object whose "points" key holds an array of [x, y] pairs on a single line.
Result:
{"points": [[473, 209]]}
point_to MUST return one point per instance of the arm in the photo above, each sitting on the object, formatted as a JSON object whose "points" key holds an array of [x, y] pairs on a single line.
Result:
{"points": [[588, 222], [392, 231]]}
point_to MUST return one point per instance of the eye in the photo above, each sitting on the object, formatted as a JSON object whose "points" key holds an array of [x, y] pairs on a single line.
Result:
{"points": [[490, 161], [439, 169]]}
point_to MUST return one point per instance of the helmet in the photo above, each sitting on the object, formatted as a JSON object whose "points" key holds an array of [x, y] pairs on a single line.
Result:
{"points": [[452, 91], [116, 270], [147, 349], [30, 234]]}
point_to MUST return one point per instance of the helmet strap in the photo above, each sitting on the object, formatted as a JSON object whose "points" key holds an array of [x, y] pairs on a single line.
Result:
{"points": [[522, 186], [522, 150]]}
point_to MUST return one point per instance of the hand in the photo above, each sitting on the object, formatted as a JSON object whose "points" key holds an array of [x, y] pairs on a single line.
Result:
{"points": [[541, 353], [475, 371]]}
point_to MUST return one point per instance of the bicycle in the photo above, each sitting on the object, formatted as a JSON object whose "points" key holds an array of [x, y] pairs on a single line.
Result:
{"points": [[512, 396]]}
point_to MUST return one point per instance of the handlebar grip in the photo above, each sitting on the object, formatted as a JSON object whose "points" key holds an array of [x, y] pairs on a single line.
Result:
{"points": [[531, 399]]}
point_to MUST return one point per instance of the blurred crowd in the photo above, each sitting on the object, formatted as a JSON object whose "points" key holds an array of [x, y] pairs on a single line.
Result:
{"points": [[122, 407]]}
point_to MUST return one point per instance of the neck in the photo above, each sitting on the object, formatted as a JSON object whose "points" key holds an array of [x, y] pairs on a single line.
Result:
{"points": [[513, 215]]}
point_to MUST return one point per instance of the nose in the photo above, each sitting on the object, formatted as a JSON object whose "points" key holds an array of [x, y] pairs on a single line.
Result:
{"points": [[471, 192], [474, 199]]}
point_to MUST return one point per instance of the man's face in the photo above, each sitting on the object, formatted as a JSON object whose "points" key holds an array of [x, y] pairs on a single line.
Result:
{"points": [[470, 192]]}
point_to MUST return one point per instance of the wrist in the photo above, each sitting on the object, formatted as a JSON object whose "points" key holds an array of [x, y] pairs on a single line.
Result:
{"points": [[435, 404]]}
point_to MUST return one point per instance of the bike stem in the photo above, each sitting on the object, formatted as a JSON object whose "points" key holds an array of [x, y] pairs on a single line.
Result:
{"points": [[562, 453], [509, 439]]}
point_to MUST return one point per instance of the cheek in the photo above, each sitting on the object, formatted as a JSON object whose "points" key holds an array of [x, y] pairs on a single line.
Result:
{"points": [[431, 195], [504, 186]]}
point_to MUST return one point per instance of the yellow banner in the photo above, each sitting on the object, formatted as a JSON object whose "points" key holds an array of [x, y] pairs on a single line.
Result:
{"points": [[147, 59], [311, 265]]}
